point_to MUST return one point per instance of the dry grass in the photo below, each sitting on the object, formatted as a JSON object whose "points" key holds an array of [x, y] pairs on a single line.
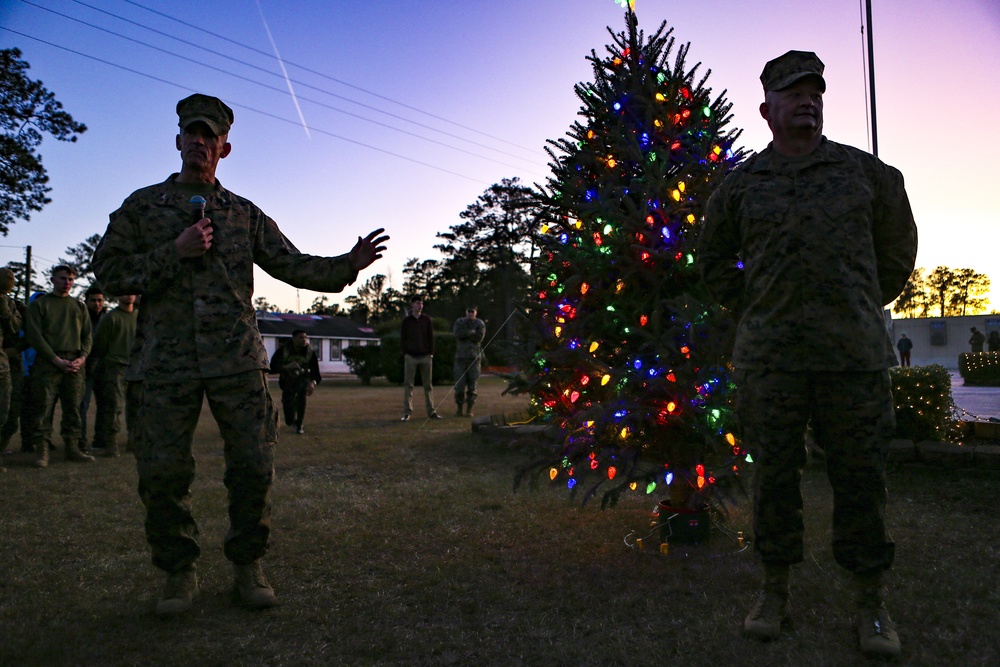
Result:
{"points": [[402, 543]]}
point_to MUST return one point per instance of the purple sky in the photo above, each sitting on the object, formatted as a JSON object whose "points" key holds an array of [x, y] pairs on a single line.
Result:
{"points": [[488, 83]]}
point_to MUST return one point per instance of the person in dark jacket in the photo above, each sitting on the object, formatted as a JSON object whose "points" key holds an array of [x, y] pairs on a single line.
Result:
{"points": [[417, 341], [977, 340], [298, 366], [904, 346]]}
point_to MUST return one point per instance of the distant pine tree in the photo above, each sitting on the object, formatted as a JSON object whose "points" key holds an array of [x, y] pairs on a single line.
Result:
{"points": [[630, 360]]}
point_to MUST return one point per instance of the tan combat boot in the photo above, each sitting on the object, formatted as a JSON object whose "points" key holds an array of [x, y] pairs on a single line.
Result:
{"points": [[251, 586], [876, 632], [43, 456], [468, 410], [771, 608], [458, 413], [73, 453], [179, 593]]}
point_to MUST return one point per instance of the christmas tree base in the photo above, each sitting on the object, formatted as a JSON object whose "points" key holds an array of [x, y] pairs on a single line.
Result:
{"points": [[684, 525]]}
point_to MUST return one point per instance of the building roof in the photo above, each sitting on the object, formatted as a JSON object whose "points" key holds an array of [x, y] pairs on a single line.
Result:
{"points": [[315, 326]]}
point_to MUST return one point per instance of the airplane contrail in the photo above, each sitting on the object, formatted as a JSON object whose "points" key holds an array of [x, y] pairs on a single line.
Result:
{"points": [[281, 62]]}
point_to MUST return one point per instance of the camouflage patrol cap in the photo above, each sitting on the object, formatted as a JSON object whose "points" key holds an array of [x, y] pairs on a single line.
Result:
{"points": [[785, 70], [210, 110]]}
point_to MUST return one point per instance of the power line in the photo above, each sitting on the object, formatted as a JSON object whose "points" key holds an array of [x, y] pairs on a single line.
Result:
{"points": [[269, 72], [282, 91], [325, 76], [243, 106]]}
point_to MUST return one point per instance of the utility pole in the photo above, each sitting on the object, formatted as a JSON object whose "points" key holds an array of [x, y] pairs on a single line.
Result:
{"points": [[871, 76], [27, 274]]}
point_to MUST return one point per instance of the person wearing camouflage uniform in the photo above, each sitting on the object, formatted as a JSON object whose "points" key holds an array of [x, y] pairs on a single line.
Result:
{"points": [[806, 241], [469, 333], [10, 325], [197, 338], [107, 365], [298, 366], [58, 327]]}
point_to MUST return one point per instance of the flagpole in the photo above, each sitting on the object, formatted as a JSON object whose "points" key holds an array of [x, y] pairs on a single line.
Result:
{"points": [[871, 76]]}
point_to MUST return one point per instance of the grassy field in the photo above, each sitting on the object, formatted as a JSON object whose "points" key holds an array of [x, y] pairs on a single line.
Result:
{"points": [[403, 543]]}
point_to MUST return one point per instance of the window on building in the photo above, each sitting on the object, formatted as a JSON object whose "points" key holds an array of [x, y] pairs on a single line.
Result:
{"points": [[334, 350], [939, 333]]}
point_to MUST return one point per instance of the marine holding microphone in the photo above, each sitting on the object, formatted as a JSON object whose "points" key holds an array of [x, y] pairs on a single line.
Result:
{"points": [[197, 336]]}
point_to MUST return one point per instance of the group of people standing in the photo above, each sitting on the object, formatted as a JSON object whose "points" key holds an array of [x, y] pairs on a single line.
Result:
{"points": [[417, 342], [60, 349]]}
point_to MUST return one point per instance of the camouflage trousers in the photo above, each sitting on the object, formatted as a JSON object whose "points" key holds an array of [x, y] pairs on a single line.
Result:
{"points": [[853, 419], [48, 385], [5, 397], [466, 380], [167, 414], [13, 418], [109, 394]]}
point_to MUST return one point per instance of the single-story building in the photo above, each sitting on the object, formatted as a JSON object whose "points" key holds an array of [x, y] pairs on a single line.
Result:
{"points": [[939, 340], [328, 335]]}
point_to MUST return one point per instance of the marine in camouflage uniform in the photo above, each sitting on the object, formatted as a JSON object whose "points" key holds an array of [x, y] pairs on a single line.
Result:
{"points": [[58, 327], [469, 333], [10, 325], [107, 365], [807, 241], [197, 337], [298, 366]]}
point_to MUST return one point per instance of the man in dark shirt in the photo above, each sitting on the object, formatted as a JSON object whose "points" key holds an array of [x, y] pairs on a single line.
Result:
{"points": [[417, 341]]}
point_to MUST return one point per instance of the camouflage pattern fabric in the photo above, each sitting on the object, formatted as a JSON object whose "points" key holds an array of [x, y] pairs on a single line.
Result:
{"points": [[852, 419], [469, 334], [825, 241], [197, 319], [10, 324], [197, 336], [109, 392], [248, 423]]}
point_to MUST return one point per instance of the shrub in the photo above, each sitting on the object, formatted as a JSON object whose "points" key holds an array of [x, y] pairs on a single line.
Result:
{"points": [[981, 369], [924, 406], [364, 361]]}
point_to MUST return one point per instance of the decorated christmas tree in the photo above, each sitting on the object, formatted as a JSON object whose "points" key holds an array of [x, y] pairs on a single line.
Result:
{"points": [[630, 355]]}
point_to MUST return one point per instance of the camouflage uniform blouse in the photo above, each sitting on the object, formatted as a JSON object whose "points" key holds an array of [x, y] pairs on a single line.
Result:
{"points": [[825, 240], [196, 319]]}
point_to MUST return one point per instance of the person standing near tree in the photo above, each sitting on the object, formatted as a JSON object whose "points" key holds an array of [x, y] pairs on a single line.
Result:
{"points": [[977, 340], [188, 247], [469, 333], [904, 345], [804, 242], [107, 364], [58, 327], [94, 300], [298, 366], [417, 340]]}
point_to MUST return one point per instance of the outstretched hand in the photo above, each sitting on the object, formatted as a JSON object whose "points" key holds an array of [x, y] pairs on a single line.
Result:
{"points": [[367, 250]]}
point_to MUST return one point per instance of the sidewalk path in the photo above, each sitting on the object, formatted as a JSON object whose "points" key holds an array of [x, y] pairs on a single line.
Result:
{"points": [[977, 402]]}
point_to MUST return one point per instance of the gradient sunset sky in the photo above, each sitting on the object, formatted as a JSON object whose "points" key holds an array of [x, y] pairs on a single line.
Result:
{"points": [[414, 108]]}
